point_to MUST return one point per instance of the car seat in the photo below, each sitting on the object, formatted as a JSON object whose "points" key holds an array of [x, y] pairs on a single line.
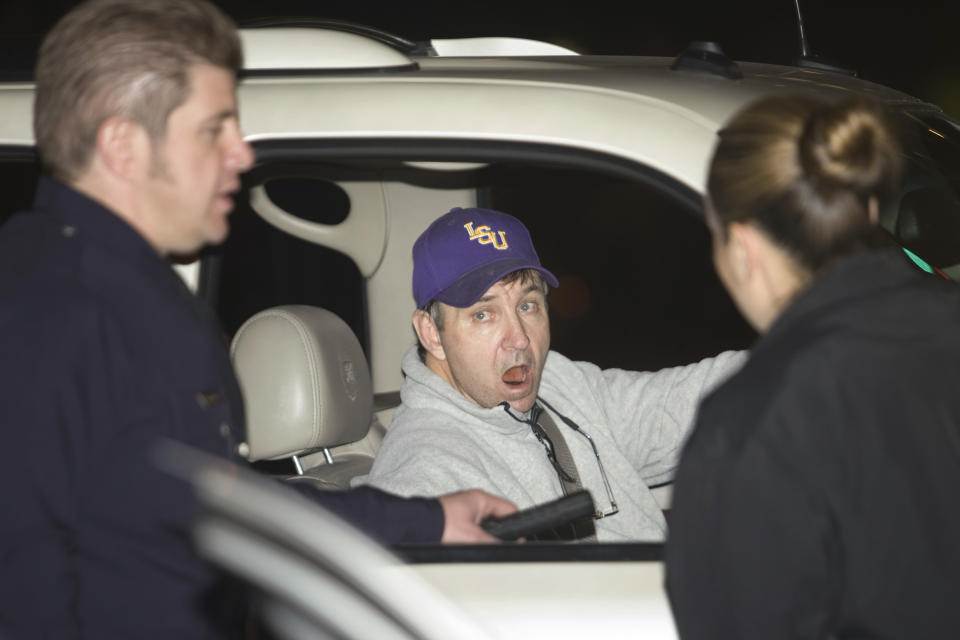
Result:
{"points": [[306, 388]]}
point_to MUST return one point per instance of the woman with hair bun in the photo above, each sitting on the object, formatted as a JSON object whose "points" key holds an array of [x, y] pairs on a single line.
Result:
{"points": [[819, 494]]}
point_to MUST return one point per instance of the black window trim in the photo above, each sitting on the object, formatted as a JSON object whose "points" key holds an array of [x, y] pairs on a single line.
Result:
{"points": [[514, 552], [18, 153]]}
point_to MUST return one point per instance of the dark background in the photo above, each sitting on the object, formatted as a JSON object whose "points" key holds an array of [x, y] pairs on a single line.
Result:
{"points": [[914, 47]]}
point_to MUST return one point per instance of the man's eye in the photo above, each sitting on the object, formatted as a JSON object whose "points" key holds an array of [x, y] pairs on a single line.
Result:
{"points": [[528, 307], [480, 315]]}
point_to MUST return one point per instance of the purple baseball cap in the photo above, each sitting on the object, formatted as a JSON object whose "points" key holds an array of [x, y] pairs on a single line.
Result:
{"points": [[466, 251]]}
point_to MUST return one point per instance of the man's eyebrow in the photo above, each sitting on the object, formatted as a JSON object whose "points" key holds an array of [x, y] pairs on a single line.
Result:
{"points": [[226, 114], [532, 287]]}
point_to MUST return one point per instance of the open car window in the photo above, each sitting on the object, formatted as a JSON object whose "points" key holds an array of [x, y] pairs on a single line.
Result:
{"points": [[629, 247], [637, 287]]}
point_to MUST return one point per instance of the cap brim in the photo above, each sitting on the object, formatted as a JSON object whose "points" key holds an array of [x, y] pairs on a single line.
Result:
{"points": [[471, 287]]}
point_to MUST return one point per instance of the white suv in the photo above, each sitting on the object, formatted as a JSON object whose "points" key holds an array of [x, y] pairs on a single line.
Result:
{"points": [[362, 139]]}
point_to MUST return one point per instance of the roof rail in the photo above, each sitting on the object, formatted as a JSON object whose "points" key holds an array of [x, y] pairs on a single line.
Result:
{"points": [[498, 47], [290, 44], [706, 57], [391, 40], [296, 45], [820, 64]]}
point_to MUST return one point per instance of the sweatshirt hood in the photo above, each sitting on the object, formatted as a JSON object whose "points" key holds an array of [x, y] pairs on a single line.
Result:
{"points": [[424, 389]]}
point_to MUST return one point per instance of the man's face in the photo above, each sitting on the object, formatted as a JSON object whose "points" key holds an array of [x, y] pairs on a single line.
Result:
{"points": [[196, 167], [494, 350]]}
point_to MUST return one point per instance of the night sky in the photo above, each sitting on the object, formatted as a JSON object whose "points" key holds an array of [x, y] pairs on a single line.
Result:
{"points": [[910, 46]]}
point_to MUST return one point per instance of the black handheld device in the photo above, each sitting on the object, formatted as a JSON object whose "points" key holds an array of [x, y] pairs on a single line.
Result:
{"points": [[542, 517]]}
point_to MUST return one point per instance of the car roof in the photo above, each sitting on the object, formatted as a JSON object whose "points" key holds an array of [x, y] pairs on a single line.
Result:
{"points": [[631, 107], [711, 96]]}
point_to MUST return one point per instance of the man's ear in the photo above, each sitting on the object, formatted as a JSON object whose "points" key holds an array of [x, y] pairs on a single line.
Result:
{"points": [[120, 146], [428, 334]]}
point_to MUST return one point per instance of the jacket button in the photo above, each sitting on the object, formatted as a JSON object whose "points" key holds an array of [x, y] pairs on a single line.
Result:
{"points": [[68, 231], [207, 399]]}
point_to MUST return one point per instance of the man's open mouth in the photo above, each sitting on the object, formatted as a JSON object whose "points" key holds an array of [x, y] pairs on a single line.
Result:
{"points": [[516, 375]]}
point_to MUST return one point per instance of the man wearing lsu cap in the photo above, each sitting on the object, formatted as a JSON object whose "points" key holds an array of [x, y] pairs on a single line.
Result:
{"points": [[483, 372]]}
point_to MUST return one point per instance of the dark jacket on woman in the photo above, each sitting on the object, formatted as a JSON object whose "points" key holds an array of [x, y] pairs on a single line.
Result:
{"points": [[819, 495]]}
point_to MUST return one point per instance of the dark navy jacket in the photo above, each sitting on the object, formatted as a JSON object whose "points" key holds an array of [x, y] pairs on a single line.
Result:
{"points": [[819, 495], [103, 349]]}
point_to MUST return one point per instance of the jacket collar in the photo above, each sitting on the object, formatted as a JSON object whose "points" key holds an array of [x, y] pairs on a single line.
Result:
{"points": [[92, 221], [843, 284]]}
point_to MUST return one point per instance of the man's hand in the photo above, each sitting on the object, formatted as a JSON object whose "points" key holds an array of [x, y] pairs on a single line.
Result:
{"points": [[465, 510]]}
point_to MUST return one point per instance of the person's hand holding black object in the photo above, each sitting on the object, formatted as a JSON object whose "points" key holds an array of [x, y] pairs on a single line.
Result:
{"points": [[543, 517], [464, 511]]}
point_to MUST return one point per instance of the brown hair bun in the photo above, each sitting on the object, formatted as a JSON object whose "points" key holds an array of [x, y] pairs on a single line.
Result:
{"points": [[848, 145], [805, 171]]}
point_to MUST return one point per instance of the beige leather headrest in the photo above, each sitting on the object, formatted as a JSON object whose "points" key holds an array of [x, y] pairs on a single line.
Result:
{"points": [[305, 382]]}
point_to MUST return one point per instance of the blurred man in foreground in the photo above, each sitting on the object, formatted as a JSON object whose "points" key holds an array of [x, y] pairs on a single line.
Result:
{"points": [[103, 349]]}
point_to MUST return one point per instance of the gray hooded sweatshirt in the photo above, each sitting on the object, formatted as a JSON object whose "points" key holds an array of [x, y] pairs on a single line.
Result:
{"points": [[441, 442]]}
